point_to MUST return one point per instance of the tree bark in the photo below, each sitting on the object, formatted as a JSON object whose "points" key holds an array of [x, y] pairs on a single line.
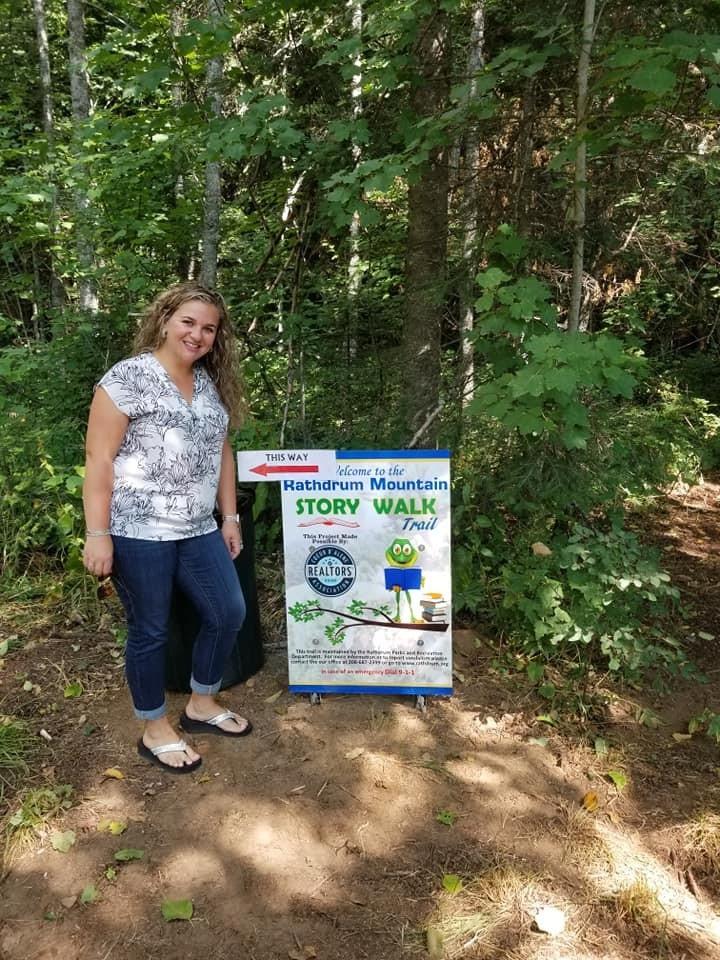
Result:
{"points": [[426, 241], [580, 189], [187, 249], [81, 110], [523, 157], [57, 292], [469, 211], [44, 63], [213, 176], [354, 265]]}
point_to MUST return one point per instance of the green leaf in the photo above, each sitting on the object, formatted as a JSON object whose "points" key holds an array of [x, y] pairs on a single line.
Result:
{"points": [[62, 842], [73, 690], [648, 718], [452, 882], [535, 672], [4, 647], [713, 729], [601, 747], [547, 690], [177, 910], [618, 778], [129, 853], [492, 278], [115, 827], [546, 718], [446, 817], [653, 78], [90, 894], [713, 96]]}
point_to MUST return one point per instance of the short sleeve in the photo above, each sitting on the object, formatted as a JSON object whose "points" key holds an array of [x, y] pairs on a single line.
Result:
{"points": [[128, 385]]}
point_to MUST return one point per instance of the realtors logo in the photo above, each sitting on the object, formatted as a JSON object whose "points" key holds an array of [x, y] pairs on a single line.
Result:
{"points": [[330, 571]]}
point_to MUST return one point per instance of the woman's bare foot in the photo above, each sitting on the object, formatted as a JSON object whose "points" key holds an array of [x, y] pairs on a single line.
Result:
{"points": [[203, 707], [159, 732]]}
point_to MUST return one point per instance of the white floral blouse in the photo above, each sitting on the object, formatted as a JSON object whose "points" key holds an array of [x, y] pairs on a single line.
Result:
{"points": [[168, 466]]}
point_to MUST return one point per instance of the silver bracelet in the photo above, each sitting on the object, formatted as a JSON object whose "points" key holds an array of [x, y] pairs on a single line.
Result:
{"points": [[97, 533], [235, 517]]}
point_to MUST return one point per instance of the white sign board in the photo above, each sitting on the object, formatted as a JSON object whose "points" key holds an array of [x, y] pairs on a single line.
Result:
{"points": [[367, 567]]}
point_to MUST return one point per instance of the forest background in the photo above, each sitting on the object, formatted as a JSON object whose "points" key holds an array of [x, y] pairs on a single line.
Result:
{"points": [[486, 225]]}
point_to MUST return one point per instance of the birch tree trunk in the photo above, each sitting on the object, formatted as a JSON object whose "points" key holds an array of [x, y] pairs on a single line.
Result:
{"points": [[213, 179], [580, 189], [44, 64], [187, 249], [426, 242], [354, 265], [81, 110], [469, 211], [57, 292]]}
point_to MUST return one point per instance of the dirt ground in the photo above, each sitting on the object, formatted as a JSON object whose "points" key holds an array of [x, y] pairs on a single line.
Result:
{"points": [[364, 828]]}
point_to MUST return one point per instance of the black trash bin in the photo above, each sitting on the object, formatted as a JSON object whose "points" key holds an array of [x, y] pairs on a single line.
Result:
{"points": [[247, 656]]}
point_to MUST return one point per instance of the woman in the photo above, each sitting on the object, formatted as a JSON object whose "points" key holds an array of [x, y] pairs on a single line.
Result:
{"points": [[158, 463]]}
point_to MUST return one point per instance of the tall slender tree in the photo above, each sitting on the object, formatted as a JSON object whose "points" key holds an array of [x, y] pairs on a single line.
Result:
{"points": [[469, 207], [426, 239], [57, 293], [213, 176], [81, 111], [580, 185]]}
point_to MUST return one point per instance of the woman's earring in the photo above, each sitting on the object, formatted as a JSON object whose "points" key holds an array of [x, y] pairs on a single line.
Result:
{"points": [[163, 336]]}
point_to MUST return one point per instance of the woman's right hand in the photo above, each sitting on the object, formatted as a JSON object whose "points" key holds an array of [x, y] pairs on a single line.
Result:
{"points": [[98, 555]]}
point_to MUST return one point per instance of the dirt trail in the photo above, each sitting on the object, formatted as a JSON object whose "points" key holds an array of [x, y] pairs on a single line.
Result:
{"points": [[328, 832]]}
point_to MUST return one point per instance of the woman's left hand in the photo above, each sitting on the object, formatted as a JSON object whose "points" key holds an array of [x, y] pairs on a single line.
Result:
{"points": [[232, 536]]}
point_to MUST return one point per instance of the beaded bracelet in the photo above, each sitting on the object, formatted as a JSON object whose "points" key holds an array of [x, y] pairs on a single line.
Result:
{"points": [[97, 533]]}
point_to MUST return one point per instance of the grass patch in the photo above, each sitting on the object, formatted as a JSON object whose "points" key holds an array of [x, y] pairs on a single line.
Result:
{"points": [[638, 902], [37, 806], [484, 911], [16, 744], [701, 845]]}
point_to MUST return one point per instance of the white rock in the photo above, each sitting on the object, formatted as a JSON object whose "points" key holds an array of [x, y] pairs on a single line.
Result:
{"points": [[550, 920]]}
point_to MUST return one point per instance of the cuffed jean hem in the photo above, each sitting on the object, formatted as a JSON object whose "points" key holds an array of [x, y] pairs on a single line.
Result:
{"points": [[206, 689], [150, 714]]}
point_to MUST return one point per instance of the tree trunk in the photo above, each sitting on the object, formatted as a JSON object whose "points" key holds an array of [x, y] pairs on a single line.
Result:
{"points": [[213, 179], [523, 157], [354, 266], [186, 248], [580, 190], [426, 243], [57, 292], [44, 63], [81, 109], [469, 212]]}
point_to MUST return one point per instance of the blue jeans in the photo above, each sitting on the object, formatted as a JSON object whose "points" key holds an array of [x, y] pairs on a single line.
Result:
{"points": [[144, 572]]}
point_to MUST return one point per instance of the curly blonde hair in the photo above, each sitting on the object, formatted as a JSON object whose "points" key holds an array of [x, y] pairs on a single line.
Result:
{"points": [[221, 362]]}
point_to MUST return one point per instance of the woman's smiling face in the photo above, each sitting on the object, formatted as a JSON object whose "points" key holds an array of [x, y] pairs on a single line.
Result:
{"points": [[190, 332]]}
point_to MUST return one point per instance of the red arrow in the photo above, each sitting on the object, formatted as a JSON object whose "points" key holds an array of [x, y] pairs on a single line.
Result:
{"points": [[264, 469]]}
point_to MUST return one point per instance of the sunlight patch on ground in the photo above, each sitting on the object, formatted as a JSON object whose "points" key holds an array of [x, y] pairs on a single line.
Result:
{"points": [[645, 891]]}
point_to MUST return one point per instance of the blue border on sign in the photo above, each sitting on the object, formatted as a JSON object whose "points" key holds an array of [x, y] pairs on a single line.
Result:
{"points": [[392, 455], [360, 688]]}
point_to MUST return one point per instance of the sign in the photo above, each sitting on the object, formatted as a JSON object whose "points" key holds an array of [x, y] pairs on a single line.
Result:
{"points": [[367, 567]]}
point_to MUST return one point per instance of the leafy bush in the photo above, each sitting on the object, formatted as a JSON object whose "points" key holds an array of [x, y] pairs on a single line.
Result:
{"points": [[555, 447], [593, 598]]}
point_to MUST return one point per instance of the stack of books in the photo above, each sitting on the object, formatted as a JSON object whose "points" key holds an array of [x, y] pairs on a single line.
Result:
{"points": [[434, 608]]}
